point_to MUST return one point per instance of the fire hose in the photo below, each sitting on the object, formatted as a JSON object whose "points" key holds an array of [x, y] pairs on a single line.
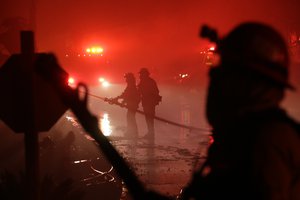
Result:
{"points": [[113, 102]]}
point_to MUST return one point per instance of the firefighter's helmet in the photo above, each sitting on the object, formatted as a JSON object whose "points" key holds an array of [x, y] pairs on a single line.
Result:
{"points": [[129, 76], [258, 47], [144, 71]]}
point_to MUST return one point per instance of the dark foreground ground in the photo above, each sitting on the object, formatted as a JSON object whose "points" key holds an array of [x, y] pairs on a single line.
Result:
{"points": [[164, 165]]}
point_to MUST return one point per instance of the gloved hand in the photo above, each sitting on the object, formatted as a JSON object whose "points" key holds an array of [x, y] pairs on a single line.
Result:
{"points": [[111, 100]]}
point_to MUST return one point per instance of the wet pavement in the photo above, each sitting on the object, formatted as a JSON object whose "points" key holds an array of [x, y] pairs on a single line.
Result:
{"points": [[164, 164]]}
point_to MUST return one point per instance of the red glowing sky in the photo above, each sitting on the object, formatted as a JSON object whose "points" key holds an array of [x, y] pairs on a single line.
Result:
{"points": [[160, 34]]}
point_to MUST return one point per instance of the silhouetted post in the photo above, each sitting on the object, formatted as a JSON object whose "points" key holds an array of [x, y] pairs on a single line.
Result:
{"points": [[31, 134], [28, 105]]}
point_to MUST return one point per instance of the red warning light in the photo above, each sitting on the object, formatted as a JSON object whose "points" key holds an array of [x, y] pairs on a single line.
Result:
{"points": [[71, 82], [103, 82], [212, 48], [94, 50]]}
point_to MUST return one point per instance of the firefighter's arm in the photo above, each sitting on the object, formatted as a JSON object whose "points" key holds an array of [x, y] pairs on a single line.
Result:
{"points": [[112, 100], [115, 99]]}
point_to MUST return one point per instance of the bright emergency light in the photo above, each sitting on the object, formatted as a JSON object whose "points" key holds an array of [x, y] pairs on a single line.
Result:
{"points": [[212, 48], [104, 83], [94, 50], [101, 79], [71, 80]]}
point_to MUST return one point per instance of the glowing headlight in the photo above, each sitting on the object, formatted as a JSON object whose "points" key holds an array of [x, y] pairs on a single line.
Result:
{"points": [[105, 84]]}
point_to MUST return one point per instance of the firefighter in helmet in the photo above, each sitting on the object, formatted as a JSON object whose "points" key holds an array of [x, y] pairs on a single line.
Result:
{"points": [[256, 148], [150, 98], [130, 99]]}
